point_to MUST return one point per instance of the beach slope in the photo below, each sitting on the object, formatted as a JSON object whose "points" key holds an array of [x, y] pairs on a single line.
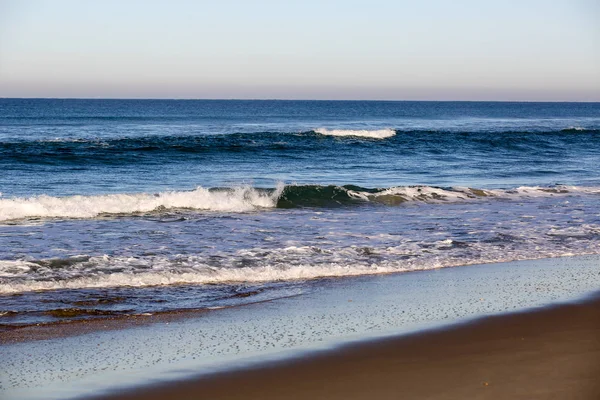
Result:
{"points": [[548, 353]]}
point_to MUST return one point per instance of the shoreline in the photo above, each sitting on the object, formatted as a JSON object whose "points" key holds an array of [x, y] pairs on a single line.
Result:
{"points": [[339, 314], [524, 354], [63, 329], [11, 334]]}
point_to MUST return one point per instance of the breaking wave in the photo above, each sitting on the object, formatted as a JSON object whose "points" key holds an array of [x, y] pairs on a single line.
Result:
{"points": [[238, 199], [373, 134], [170, 148], [246, 199]]}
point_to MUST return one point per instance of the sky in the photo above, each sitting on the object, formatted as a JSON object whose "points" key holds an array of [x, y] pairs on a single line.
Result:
{"points": [[532, 50]]}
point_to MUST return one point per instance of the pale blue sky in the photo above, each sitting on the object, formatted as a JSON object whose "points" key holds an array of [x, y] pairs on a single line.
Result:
{"points": [[309, 49]]}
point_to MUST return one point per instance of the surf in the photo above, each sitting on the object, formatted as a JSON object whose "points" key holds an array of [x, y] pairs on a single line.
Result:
{"points": [[242, 199], [237, 199]]}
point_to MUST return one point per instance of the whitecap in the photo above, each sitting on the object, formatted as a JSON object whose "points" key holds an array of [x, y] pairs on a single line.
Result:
{"points": [[239, 199], [372, 134]]}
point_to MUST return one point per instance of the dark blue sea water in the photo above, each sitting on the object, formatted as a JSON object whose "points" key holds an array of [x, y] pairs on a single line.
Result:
{"points": [[114, 207]]}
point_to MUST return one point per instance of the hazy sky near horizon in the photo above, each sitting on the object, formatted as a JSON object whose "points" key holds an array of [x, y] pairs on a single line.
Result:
{"points": [[310, 49]]}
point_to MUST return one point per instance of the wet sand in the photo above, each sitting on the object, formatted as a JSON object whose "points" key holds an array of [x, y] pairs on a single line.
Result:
{"points": [[34, 332], [549, 353]]}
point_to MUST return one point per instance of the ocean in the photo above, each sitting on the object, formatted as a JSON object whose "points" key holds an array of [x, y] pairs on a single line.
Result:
{"points": [[127, 207]]}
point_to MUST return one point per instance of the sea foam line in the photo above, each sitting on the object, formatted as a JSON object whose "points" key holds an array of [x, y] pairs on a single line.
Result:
{"points": [[164, 273]]}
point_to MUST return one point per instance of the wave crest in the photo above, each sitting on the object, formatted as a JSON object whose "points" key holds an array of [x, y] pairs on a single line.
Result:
{"points": [[239, 199], [373, 134], [246, 198]]}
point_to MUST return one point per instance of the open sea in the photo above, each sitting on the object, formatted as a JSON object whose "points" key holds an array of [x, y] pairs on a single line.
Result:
{"points": [[127, 207]]}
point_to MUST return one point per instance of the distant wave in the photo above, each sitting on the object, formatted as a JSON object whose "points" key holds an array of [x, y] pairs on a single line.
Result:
{"points": [[373, 134], [246, 198], [139, 149], [574, 129]]}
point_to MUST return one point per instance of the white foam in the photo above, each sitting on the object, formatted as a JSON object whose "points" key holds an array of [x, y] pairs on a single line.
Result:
{"points": [[431, 194], [240, 199], [204, 275], [246, 198], [576, 128], [285, 264], [373, 134]]}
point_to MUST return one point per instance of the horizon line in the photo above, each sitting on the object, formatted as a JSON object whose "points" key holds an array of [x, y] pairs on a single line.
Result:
{"points": [[312, 100]]}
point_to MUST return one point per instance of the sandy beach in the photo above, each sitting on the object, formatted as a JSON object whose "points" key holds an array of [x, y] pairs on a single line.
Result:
{"points": [[552, 353]]}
